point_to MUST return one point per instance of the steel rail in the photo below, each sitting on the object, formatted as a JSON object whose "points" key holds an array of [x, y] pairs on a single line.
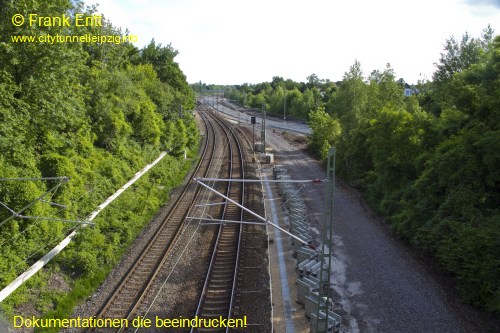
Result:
{"points": [[228, 237], [134, 278]]}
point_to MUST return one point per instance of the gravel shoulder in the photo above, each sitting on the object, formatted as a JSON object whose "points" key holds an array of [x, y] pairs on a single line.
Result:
{"points": [[379, 284]]}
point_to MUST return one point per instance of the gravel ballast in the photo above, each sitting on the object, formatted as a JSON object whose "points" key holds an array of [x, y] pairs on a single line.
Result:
{"points": [[379, 285]]}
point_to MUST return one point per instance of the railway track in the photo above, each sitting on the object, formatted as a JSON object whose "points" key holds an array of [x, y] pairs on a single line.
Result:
{"points": [[219, 288], [237, 282], [133, 287]]}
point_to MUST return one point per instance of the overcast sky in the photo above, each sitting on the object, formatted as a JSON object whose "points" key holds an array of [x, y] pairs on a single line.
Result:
{"points": [[238, 41]]}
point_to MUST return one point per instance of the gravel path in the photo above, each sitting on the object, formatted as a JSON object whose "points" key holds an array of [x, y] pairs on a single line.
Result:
{"points": [[378, 284]]}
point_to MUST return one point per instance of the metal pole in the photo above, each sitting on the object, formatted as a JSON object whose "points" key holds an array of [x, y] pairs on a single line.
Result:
{"points": [[326, 255], [253, 138], [263, 131], [249, 211], [284, 109]]}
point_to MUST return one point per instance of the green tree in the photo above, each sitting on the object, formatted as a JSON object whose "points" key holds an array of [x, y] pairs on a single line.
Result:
{"points": [[452, 209], [168, 71], [326, 132], [349, 106], [95, 113], [395, 140]]}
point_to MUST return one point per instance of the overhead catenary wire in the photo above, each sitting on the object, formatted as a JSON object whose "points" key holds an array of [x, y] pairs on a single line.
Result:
{"points": [[202, 208], [45, 259], [62, 180], [236, 180], [12, 238], [206, 198], [65, 178], [250, 211], [53, 219], [172, 270], [52, 190], [73, 231], [33, 225], [220, 157], [65, 233]]}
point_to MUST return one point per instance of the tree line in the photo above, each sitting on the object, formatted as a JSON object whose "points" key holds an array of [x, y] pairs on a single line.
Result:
{"points": [[94, 112], [284, 98], [428, 162]]}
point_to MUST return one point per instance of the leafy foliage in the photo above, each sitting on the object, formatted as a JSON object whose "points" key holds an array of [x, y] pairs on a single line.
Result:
{"points": [[325, 132], [284, 98], [96, 113], [429, 162]]}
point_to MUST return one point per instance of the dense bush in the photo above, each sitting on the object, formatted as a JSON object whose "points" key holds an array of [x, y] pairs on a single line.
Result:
{"points": [[429, 162], [96, 113]]}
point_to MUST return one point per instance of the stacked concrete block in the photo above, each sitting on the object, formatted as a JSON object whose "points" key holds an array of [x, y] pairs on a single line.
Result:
{"points": [[308, 259], [333, 322]]}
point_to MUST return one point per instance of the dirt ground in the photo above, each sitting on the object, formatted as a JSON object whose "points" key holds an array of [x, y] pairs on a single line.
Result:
{"points": [[379, 284]]}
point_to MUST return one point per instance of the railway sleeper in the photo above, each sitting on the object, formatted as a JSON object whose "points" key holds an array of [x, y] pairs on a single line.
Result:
{"points": [[127, 292], [223, 270], [144, 269], [218, 293], [135, 283], [215, 301], [211, 314], [226, 252], [219, 307], [115, 313], [225, 259], [221, 282], [225, 246], [222, 287]]}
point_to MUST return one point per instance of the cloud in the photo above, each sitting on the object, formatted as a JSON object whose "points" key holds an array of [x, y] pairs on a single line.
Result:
{"points": [[494, 3], [227, 41]]}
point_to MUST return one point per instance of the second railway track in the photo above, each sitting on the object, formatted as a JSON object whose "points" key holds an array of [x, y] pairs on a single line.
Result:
{"points": [[218, 294], [220, 283], [133, 287]]}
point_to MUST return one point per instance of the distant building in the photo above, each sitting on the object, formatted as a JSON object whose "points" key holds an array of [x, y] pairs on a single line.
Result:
{"points": [[410, 90]]}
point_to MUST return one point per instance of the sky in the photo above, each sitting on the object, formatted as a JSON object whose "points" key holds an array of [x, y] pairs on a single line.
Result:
{"points": [[241, 41]]}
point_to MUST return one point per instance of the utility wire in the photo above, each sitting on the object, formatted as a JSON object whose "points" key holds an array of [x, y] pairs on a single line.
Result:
{"points": [[52, 190]]}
